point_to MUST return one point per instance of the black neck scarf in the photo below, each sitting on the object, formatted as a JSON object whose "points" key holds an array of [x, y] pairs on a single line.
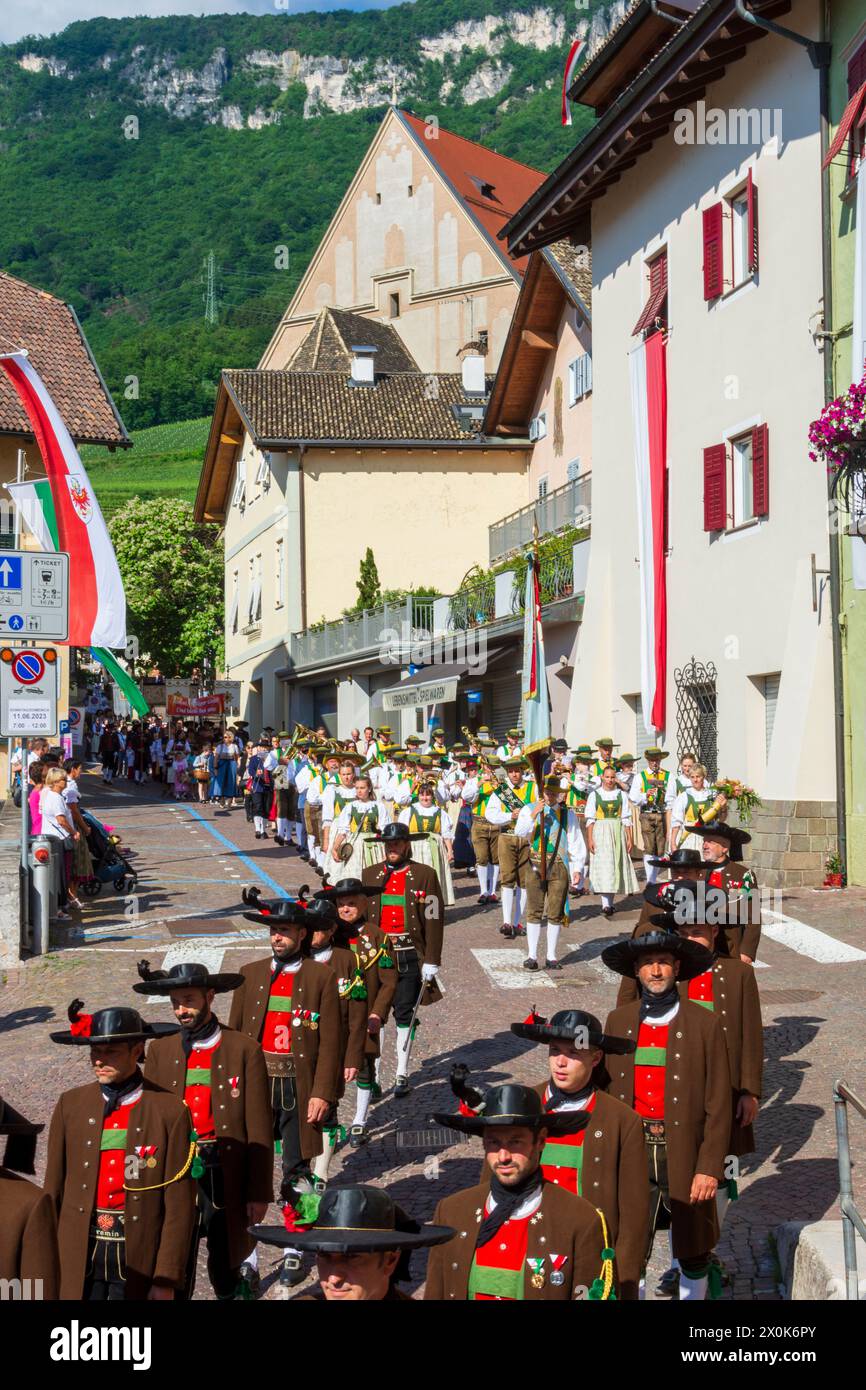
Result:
{"points": [[189, 1036], [507, 1199], [654, 1005], [115, 1093], [281, 964], [557, 1097]]}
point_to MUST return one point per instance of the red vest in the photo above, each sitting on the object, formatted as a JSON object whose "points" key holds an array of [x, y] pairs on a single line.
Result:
{"points": [[650, 1061], [198, 1093], [392, 912], [562, 1157], [279, 1014], [497, 1269], [701, 989], [110, 1195]]}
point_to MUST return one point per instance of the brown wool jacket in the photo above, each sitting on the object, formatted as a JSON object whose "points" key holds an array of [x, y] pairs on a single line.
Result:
{"points": [[244, 1123], [158, 1221], [28, 1236], [353, 1012], [744, 938], [380, 979], [425, 917], [697, 1112], [568, 1225], [318, 1052]]}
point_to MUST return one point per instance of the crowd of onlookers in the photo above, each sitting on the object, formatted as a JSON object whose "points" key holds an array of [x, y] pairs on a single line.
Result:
{"points": [[51, 786]]}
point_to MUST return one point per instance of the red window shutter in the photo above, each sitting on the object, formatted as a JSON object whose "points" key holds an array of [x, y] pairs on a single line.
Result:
{"points": [[760, 471], [658, 290], [658, 273], [715, 488], [847, 123], [752, 204], [713, 285], [857, 70]]}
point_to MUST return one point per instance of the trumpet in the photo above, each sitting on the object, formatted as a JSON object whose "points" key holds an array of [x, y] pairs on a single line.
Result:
{"points": [[708, 815]]}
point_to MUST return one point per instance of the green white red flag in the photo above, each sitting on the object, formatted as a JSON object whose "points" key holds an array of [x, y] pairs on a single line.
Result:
{"points": [[536, 697], [66, 515]]}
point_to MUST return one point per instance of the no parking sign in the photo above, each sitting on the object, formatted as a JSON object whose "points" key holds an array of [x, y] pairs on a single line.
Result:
{"points": [[28, 692]]}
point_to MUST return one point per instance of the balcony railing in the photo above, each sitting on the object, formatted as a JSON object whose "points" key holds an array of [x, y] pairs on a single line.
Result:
{"points": [[570, 505], [494, 599]]}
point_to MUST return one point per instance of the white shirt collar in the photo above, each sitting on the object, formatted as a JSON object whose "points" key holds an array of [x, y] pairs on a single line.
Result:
{"points": [[662, 1019], [526, 1208], [324, 955], [211, 1040], [291, 966]]}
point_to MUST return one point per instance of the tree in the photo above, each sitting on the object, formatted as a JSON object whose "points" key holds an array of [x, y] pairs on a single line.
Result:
{"points": [[367, 583], [172, 570]]}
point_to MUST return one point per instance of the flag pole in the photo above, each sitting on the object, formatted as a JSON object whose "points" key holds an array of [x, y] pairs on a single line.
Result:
{"points": [[538, 756]]}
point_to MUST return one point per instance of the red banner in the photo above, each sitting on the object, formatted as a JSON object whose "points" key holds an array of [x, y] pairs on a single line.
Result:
{"points": [[179, 707]]}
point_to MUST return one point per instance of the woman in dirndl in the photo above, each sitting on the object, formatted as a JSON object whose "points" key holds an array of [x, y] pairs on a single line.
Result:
{"points": [[608, 832], [694, 804], [425, 816], [352, 849], [202, 771], [227, 757]]}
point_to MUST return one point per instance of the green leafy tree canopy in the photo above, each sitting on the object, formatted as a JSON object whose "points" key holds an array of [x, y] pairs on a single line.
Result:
{"points": [[367, 583], [172, 571]]}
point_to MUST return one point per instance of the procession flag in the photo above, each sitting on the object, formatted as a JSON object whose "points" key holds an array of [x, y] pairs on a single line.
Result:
{"points": [[536, 700], [647, 364], [122, 679], [71, 516], [575, 53], [34, 503]]}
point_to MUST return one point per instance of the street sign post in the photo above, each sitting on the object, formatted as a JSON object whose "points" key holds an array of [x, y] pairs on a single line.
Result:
{"points": [[34, 596], [28, 693]]}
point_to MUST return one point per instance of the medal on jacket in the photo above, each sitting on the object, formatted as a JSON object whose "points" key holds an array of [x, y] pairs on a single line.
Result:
{"points": [[537, 1267], [314, 1021], [145, 1152], [556, 1275], [235, 1084]]}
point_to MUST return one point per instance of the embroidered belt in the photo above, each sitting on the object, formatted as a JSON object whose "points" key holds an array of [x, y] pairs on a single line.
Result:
{"points": [[401, 942], [654, 1131], [107, 1225], [279, 1065]]}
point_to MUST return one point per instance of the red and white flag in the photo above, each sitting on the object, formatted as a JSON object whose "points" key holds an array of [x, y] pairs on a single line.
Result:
{"points": [[649, 415], [73, 517], [575, 54]]}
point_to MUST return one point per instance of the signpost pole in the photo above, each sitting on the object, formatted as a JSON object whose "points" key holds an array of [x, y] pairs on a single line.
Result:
{"points": [[25, 844]]}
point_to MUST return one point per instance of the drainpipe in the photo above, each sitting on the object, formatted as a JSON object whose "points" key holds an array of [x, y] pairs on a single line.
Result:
{"points": [[819, 51], [832, 510], [302, 526]]}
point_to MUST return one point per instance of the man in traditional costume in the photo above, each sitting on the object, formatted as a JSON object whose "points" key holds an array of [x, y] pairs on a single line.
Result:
{"points": [[503, 811], [722, 847], [477, 791], [652, 791], [29, 1253], [565, 856], [511, 747]]}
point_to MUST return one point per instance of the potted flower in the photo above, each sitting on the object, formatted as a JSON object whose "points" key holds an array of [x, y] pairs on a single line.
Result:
{"points": [[838, 438], [835, 873]]}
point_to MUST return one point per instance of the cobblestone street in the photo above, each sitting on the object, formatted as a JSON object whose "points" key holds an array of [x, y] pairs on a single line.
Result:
{"points": [[192, 863]]}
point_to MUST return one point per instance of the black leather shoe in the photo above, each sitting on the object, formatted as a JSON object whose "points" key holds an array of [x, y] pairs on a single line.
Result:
{"points": [[292, 1272], [669, 1284], [530, 964], [401, 1087], [358, 1136], [484, 900], [553, 965]]}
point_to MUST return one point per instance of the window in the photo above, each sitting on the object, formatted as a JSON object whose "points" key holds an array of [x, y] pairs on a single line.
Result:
{"points": [[579, 378], [856, 83], [771, 699], [254, 608], [542, 486], [643, 737], [236, 596], [654, 313], [538, 426], [239, 494], [279, 573], [573, 470], [730, 230], [263, 471], [394, 305], [736, 480]]}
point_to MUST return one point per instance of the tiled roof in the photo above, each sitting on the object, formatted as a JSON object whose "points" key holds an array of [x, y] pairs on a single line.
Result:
{"points": [[491, 185], [323, 407], [328, 345], [575, 263], [52, 336]]}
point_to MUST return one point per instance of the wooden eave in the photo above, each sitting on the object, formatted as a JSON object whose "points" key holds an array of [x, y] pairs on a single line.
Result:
{"points": [[218, 468], [629, 49], [532, 337]]}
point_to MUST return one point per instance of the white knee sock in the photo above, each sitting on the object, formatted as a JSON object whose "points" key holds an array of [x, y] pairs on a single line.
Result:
{"points": [[606, 899], [300, 834], [520, 908], [363, 1096], [723, 1201], [377, 1065], [321, 1164], [283, 829], [692, 1288], [533, 935], [641, 1290], [553, 930], [259, 822], [507, 905], [481, 870], [492, 877], [652, 871], [311, 847], [403, 1038], [252, 1258]]}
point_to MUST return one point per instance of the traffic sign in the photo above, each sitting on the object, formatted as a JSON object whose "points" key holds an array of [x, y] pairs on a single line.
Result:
{"points": [[28, 692], [34, 594], [64, 726], [74, 716]]}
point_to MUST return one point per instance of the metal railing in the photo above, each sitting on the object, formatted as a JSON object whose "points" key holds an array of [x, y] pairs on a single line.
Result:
{"points": [[569, 505], [852, 1221], [373, 627]]}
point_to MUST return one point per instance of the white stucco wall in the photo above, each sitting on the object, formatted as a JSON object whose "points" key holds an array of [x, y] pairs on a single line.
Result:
{"points": [[742, 601]]}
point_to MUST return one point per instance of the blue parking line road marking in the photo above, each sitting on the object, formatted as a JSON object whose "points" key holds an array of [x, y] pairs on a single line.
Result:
{"points": [[244, 858], [154, 880]]}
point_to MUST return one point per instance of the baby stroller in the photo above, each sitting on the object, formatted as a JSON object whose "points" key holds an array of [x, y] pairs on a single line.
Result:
{"points": [[109, 865]]}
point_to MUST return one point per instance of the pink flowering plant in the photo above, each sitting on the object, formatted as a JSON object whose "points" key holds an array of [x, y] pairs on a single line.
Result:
{"points": [[838, 436]]}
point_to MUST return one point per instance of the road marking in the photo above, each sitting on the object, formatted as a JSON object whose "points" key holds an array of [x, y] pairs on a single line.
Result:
{"points": [[238, 855], [808, 941], [197, 949], [505, 969]]}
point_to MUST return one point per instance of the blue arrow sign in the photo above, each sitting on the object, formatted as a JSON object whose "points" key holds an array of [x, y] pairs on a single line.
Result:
{"points": [[10, 572]]}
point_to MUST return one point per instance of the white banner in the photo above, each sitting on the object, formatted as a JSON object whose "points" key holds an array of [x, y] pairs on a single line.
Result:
{"points": [[416, 696]]}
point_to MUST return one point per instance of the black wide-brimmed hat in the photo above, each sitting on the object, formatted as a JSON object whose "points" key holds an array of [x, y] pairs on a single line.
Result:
{"points": [[20, 1152], [623, 956], [691, 902], [189, 974], [276, 911], [321, 915], [509, 1104], [355, 1219], [349, 888], [109, 1026], [720, 830], [680, 859], [397, 831], [566, 1026]]}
